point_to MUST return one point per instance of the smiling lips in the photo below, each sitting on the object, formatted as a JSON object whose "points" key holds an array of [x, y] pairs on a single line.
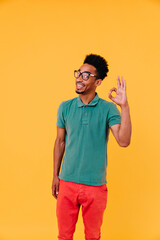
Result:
{"points": [[79, 86]]}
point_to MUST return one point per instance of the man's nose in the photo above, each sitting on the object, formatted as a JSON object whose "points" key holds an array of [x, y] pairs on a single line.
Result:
{"points": [[78, 79]]}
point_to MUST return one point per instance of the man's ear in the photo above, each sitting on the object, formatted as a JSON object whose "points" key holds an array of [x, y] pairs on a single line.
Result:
{"points": [[98, 82]]}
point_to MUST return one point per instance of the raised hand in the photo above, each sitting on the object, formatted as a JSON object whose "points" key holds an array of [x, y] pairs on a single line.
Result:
{"points": [[120, 98]]}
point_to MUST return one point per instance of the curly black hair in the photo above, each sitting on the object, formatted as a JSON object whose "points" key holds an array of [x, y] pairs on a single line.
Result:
{"points": [[99, 63]]}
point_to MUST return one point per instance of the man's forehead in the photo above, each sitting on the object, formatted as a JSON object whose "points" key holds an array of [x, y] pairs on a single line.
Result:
{"points": [[87, 67]]}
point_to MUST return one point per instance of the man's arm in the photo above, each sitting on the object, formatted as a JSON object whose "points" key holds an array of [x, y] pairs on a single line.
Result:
{"points": [[121, 132], [59, 148]]}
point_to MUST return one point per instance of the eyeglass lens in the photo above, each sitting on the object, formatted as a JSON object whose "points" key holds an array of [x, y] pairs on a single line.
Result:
{"points": [[85, 76]]}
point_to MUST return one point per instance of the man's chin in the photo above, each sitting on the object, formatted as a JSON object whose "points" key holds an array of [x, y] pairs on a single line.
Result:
{"points": [[79, 92]]}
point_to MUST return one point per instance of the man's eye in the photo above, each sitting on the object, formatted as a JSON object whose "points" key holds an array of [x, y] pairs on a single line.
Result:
{"points": [[85, 75]]}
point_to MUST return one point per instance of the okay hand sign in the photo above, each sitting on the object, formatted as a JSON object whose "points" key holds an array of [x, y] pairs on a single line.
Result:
{"points": [[120, 98]]}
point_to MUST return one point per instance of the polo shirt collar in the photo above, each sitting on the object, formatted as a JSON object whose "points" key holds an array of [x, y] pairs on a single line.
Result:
{"points": [[92, 103]]}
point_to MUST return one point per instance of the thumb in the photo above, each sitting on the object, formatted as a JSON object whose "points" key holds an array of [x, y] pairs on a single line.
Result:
{"points": [[110, 93], [110, 96], [57, 188]]}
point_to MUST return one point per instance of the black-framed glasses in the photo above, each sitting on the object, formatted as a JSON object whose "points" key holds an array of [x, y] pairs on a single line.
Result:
{"points": [[85, 75]]}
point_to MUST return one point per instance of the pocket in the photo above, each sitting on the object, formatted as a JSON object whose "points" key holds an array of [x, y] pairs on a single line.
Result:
{"points": [[103, 188]]}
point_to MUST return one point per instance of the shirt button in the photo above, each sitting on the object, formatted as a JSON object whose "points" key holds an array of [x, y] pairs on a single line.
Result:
{"points": [[85, 114]]}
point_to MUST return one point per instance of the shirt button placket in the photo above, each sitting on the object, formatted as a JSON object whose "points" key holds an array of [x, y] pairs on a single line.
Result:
{"points": [[85, 110], [85, 115]]}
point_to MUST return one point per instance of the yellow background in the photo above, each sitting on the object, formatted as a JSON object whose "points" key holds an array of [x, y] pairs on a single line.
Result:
{"points": [[41, 43]]}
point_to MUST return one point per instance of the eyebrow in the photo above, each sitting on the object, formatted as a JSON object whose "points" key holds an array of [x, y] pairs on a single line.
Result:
{"points": [[84, 71]]}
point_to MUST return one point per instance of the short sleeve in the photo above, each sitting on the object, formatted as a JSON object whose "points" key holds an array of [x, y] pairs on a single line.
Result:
{"points": [[114, 116], [60, 116]]}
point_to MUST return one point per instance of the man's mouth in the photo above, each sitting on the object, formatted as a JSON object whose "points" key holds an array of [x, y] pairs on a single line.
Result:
{"points": [[79, 86]]}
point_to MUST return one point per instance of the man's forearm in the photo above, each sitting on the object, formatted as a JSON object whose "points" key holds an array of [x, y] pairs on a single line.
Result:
{"points": [[59, 149], [125, 126]]}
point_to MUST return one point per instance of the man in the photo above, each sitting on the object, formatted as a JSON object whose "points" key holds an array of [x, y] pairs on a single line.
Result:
{"points": [[83, 125]]}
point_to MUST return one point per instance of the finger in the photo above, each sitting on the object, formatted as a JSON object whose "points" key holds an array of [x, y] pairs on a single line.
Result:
{"points": [[57, 189], [118, 82], [110, 93], [55, 196], [54, 192], [113, 89], [124, 84], [53, 188], [110, 96]]}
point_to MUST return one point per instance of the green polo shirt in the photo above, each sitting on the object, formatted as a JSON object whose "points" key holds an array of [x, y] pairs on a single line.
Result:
{"points": [[87, 130]]}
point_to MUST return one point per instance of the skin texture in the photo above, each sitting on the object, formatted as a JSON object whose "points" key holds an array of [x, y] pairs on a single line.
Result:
{"points": [[59, 148], [121, 132], [87, 93]]}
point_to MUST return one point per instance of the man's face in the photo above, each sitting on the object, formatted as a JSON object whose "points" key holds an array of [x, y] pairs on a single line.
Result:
{"points": [[85, 87]]}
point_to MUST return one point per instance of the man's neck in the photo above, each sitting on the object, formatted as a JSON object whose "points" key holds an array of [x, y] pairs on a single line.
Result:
{"points": [[86, 99]]}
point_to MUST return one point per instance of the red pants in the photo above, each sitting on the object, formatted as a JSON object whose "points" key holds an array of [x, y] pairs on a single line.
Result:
{"points": [[93, 200]]}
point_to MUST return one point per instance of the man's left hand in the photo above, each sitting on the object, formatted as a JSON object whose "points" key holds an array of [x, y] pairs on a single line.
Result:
{"points": [[120, 98]]}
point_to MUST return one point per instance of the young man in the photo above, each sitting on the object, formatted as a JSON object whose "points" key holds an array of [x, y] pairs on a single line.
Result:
{"points": [[83, 125]]}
